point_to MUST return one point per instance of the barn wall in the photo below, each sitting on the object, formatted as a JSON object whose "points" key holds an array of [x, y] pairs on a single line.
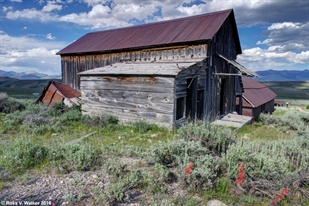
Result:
{"points": [[221, 92], [129, 98], [269, 106], [73, 64]]}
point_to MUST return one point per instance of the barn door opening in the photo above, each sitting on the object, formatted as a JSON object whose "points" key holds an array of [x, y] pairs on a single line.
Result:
{"points": [[191, 100], [222, 96]]}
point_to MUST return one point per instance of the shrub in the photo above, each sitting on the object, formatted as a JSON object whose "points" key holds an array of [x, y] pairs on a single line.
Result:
{"points": [[270, 160], [178, 154], [76, 157], [23, 154], [214, 137], [307, 107], [142, 126], [101, 121], [9, 105]]}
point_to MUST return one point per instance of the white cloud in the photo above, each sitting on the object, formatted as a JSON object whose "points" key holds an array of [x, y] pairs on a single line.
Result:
{"points": [[24, 54], [25, 28], [50, 37], [260, 59], [16, 1], [51, 6], [5, 9]]}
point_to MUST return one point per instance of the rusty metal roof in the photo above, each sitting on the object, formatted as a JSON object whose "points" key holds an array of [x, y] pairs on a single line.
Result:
{"points": [[256, 93], [64, 90], [166, 33]]}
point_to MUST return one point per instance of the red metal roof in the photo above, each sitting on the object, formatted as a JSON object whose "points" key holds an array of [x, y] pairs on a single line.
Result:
{"points": [[184, 30], [256, 93], [66, 90]]}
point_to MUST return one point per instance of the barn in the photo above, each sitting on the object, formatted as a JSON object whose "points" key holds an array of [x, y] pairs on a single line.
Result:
{"points": [[165, 72], [257, 98]]}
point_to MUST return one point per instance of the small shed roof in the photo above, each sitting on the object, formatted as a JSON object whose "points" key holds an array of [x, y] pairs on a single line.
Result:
{"points": [[196, 29], [64, 90], [256, 93], [141, 68], [239, 67]]}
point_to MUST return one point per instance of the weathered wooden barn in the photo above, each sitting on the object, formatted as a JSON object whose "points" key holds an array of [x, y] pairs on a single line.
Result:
{"points": [[257, 98], [164, 72], [57, 92]]}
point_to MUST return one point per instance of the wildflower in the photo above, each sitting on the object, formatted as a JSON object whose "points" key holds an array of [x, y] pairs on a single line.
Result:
{"points": [[241, 177], [189, 168], [280, 196]]}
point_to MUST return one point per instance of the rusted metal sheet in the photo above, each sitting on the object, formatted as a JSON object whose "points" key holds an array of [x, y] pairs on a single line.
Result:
{"points": [[256, 93], [58, 92], [199, 28]]}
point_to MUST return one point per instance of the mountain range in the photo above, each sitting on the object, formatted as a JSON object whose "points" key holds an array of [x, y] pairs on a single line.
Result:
{"points": [[283, 75], [28, 75], [266, 75]]}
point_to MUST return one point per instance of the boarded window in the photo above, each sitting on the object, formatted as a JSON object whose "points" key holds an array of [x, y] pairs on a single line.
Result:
{"points": [[180, 107]]}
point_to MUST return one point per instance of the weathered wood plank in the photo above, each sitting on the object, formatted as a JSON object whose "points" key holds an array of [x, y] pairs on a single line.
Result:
{"points": [[129, 95]]}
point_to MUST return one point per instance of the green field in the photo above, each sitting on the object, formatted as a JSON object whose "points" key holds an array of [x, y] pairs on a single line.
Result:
{"points": [[23, 89], [290, 89]]}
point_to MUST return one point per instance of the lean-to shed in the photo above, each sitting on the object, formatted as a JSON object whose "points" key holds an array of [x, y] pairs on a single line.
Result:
{"points": [[188, 66], [58, 92], [257, 98]]}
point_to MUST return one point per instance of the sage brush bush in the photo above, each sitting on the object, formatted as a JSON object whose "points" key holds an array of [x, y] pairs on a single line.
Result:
{"points": [[214, 137], [100, 121], [177, 154], [76, 157], [23, 154], [269, 160], [9, 105]]}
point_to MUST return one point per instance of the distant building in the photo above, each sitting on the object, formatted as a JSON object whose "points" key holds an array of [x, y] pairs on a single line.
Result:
{"points": [[257, 98], [58, 92]]}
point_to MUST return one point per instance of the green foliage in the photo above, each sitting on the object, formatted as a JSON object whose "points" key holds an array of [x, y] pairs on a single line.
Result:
{"points": [[215, 138], [99, 121], [22, 154], [270, 160], [76, 157], [142, 126], [307, 107], [180, 153], [9, 105]]}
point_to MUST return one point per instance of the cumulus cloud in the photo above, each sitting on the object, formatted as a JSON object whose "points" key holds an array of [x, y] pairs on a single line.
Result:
{"points": [[50, 36], [51, 6], [24, 54], [260, 59]]}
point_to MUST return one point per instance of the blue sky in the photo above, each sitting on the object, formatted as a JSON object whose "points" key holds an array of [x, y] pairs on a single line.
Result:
{"points": [[274, 34]]}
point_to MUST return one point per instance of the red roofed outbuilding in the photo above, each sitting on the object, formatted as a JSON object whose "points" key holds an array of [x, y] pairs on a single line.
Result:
{"points": [[257, 98]]}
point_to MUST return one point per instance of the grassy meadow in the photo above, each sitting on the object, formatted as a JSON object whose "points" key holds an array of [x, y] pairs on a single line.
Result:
{"points": [[264, 163]]}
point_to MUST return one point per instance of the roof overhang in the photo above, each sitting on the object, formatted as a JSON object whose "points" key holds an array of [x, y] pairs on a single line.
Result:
{"points": [[239, 67], [143, 68]]}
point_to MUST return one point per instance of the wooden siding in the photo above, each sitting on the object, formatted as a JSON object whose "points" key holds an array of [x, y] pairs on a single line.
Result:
{"points": [[220, 89], [129, 98], [72, 65]]}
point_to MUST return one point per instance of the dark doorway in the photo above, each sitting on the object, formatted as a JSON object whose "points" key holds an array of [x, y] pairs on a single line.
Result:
{"points": [[200, 104], [191, 100], [222, 96]]}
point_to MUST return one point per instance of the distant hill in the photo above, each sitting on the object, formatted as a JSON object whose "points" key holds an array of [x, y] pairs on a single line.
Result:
{"points": [[28, 75], [284, 75]]}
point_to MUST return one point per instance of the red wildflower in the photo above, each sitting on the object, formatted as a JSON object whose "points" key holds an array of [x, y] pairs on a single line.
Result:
{"points": [[241, 177], [191, 165], [280, 196], [189, 168]]}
